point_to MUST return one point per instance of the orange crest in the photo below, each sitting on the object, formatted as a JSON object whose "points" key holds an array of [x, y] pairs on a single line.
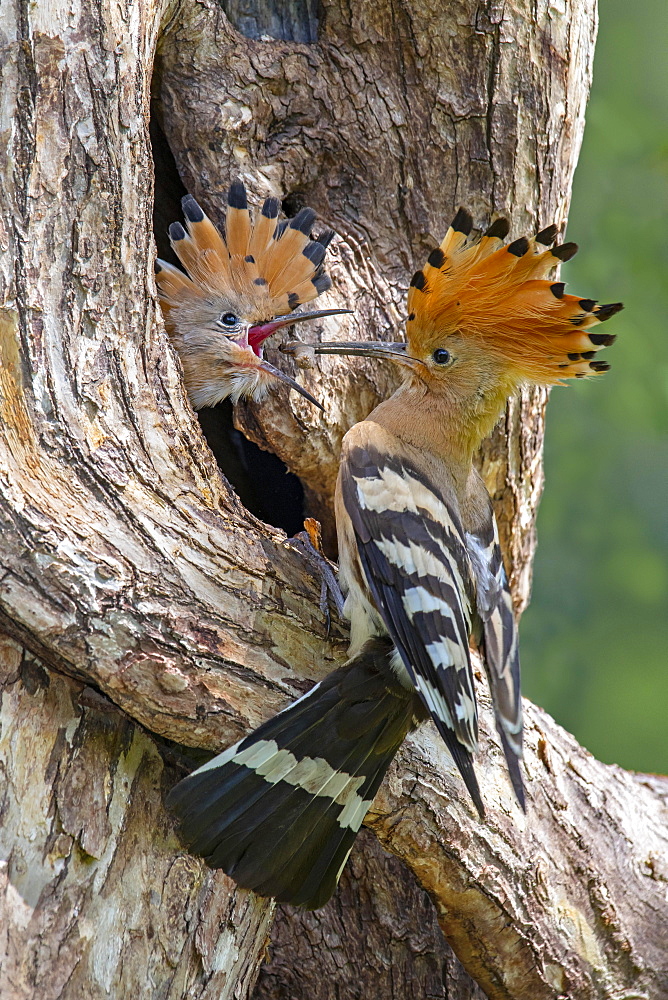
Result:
{"points": [[270, 266], [501, 295]]}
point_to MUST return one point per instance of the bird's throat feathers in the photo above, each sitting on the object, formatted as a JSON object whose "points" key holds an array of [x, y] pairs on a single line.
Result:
{"points": [[452, 421]]}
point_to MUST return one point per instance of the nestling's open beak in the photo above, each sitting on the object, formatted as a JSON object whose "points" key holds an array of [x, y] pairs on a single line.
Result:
{"points": [[382, 349], [266, 367], [258, 334]]}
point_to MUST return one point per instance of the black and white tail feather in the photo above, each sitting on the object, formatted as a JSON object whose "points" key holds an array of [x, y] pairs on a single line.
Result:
{"points": [[279, 811]]}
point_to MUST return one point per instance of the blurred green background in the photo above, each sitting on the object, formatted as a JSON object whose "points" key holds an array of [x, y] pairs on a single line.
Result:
{"points": [[595, 637]]}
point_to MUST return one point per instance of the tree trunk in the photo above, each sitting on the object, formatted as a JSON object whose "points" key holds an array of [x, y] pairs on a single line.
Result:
{"points": [[97, 900], [144, 604]]}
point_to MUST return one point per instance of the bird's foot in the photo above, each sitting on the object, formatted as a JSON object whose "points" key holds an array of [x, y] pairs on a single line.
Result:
{"points": [[309, 543]]}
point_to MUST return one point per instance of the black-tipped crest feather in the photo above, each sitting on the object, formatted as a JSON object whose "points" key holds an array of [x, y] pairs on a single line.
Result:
{"points": [[191, 209], [462, 222], [503, 296], [236, 196], [499, 229]]}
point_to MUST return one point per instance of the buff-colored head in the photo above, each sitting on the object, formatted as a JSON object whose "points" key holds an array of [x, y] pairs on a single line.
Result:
{"points": [[239, 289], [485, 318]]}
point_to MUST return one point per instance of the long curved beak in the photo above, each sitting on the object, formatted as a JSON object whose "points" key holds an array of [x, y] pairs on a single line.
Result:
{"points": [[266, 367], [258, 334], [382, 349]]}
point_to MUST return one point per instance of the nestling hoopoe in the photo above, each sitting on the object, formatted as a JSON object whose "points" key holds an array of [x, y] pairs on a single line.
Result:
{"points": [[238, 293], [421, 564]]}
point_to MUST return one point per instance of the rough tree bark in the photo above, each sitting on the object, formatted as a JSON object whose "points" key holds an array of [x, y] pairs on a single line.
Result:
{"points": [[141, 600]]}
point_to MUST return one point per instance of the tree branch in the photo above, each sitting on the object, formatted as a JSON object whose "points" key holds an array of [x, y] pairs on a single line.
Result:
{"points": [[568, 900], [378, 937]]}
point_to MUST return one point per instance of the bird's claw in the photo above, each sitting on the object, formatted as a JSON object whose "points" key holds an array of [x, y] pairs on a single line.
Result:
{"points": [[310, 545]]}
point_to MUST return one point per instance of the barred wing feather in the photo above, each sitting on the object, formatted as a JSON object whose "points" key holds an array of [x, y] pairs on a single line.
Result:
{"points": [[500, 645], [412, 551]]}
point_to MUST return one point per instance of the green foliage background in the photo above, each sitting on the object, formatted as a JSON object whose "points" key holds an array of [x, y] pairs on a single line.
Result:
{"points": [[595, 638]]}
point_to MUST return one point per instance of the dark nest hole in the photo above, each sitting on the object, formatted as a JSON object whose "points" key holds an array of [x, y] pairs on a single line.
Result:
{"points": [[260, 479]]}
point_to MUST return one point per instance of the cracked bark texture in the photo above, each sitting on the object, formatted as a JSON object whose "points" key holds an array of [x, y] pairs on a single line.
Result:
{"points": [[400, 113], [96, 899], [379, 937], [140, 598]]}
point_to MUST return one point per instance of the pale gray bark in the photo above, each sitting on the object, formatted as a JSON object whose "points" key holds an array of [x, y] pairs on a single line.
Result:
{"points": [[96, 899], [155, 602]]}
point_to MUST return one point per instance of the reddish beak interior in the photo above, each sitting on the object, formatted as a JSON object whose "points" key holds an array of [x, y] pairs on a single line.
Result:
{"points": [[258, 334]]}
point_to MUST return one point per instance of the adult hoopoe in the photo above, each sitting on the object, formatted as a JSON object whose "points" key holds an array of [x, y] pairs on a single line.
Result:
{"points": [[239, 289], [421, 564]]}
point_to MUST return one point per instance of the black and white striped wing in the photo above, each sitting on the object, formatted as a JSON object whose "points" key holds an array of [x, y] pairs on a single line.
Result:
{"points": [[501, 644], [412, 552]]}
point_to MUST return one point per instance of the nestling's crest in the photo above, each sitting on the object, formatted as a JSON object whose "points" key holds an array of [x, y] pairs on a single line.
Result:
{"points": [[478, 289], [240, 288], [263, 266]]}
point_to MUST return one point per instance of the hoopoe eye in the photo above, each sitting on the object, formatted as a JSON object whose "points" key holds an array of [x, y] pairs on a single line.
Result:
{"points": [[229, 319], [441, 356]]}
